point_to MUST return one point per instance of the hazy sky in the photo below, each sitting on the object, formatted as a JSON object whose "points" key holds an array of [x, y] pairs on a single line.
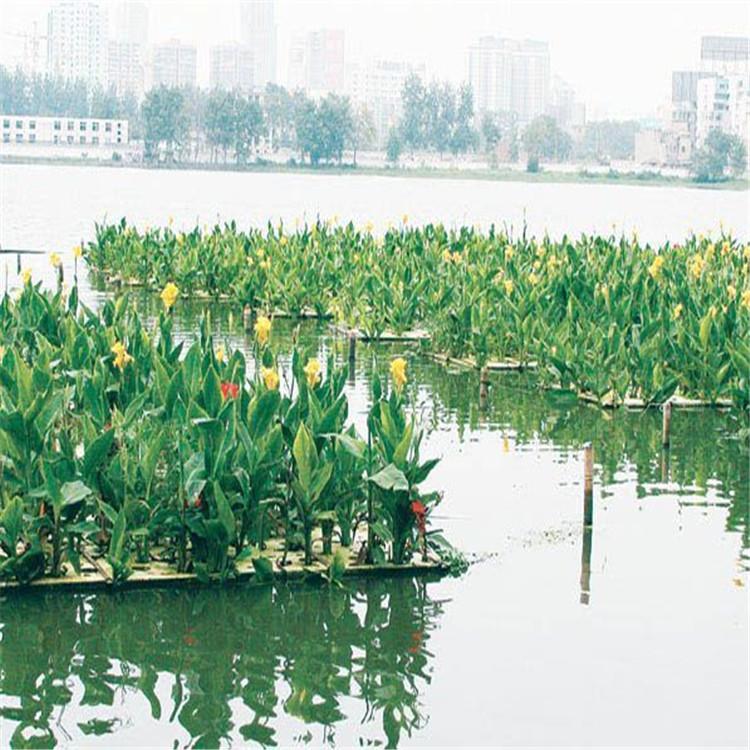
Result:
{"points": [[617, 55]]}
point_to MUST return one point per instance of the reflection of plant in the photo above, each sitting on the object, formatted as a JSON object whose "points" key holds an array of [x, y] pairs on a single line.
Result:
{"points": [[313, 651]]}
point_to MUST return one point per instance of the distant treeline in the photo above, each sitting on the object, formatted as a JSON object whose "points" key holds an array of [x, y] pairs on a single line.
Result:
{"points": [[189, 124], [22, 94]]}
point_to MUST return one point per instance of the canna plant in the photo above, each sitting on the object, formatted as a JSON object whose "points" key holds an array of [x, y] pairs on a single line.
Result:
{"points": [[400, 508], [122, 445]]}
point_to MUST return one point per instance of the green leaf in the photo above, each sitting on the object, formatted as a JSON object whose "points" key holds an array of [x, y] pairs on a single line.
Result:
{"points": [[261, 412], [390, 478], [96, 451], [705, 329], [224, 512], [263, 569], [74, 492], [305, 456]]}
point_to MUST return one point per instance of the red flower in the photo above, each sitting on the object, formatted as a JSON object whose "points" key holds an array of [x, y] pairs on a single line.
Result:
{"points": [[198, 501], [419, 510], [229, 390], [416, 642]]}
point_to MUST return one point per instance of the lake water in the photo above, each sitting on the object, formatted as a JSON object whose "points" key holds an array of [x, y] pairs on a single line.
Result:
{"points": [[633, 634]]}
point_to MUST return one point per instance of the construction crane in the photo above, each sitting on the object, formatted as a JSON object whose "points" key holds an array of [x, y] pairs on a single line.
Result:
{"points": [[31, 43]]}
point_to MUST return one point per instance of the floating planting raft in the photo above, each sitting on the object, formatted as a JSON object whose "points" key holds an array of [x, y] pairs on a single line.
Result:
{"points": [[272, 565], [505, 365], [594, 314], [385, 337], [131, 459]]}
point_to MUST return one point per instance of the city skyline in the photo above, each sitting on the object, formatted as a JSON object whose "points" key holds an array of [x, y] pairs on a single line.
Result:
{"points": [[607, 88]]}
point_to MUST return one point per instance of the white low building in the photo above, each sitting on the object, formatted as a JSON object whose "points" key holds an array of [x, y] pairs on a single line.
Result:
{"points": [[71, 131]]}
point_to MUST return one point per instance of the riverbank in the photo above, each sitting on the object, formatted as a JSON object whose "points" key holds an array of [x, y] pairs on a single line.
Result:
{"points": [[487, 175]]}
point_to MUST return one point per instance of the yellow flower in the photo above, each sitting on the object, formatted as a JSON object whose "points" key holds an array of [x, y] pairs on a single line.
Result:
{"points": [[537, 265], [283, 240], [262, 329], [169, 295], [677, 311], [55, 260], [26, 276], [509, 252], [746, 252], [508, 284], [369, 226], [312, 372], [533, 279], [220, 354], [710, 251], [731, 291], [77, 251], [121, 355], [540, 250], [265, 264], [696, 265], [746, 299], [726, 248], [270, 378], [447, 255], [655, 268], [2, 352], [398, 372], [405, 219]]}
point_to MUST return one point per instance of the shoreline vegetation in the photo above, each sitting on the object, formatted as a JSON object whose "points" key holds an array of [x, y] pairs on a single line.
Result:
{"points": [[549, 176]]}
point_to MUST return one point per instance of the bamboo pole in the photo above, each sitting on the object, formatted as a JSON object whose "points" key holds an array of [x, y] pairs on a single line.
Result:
{"points": [[666, 423], [588, 484], [484, 386]]}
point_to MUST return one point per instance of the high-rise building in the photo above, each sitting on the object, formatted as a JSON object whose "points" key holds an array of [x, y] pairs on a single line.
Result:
{"points": [[723, 104], [377, 86], [174, 64], [127, 49], [77, 41], [231, 66], [258, 31], [684, 110], [126, 67], [507, 75], [726, 55], [565, 107], [131, 23], [316, 62]]}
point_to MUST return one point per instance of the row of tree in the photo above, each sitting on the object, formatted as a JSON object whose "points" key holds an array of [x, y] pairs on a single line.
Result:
{"points": [[22, 94], [182, 123], [185, 123]]}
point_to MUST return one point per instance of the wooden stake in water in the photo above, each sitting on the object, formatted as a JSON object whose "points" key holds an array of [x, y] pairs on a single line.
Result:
{"points": [[588, 536], [588, 484], [352, 346], [484, 386], [18, 263], [247, 318], [666, 423], [60, 275]]}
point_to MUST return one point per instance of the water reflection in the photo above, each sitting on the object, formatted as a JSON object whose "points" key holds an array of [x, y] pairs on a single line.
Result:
{"points": [[219, 666]]}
